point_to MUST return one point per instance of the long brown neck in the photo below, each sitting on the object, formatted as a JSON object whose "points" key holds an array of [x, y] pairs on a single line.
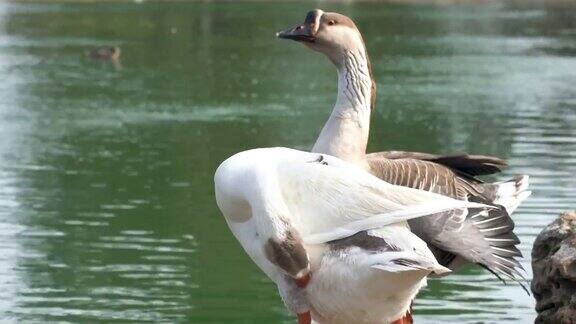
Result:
{"points": [[345, 134]]}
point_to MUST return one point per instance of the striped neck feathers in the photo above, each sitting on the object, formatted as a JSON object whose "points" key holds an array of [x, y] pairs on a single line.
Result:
{"points": [[345, 134]]}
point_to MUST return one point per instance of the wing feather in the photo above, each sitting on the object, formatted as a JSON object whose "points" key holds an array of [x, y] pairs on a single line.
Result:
{"points": [[329, 202], [476, 235], [471, 165]]}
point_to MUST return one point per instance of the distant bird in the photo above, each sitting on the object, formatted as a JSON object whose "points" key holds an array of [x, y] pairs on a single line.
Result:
{"points": [[457, 236], [333, 237], [105, 53]]}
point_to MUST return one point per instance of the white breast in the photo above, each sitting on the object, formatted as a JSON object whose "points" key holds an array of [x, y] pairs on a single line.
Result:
{"points": [[347, 289]]}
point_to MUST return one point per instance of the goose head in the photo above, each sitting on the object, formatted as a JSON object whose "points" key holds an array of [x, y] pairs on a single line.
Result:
{"points": [[330, 33], [335, 36]]}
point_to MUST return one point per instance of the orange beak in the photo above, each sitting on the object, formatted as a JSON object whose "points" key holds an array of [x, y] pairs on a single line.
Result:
{"points": [[303, 282]]}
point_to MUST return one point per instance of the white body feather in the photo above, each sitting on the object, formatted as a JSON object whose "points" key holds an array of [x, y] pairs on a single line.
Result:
{"points": [[262, 191]]}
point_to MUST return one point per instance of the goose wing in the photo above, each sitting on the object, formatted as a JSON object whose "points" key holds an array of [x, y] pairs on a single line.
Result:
{"points": [[330, 199], [470, 165], [392, 248], [479, 236]]}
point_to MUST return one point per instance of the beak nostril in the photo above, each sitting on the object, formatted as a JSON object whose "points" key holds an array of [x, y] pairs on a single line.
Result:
{"points": [[299, 27]]}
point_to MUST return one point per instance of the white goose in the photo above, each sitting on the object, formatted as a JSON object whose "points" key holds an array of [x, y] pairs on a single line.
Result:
{"points": [[300, 214], [484, 238]]}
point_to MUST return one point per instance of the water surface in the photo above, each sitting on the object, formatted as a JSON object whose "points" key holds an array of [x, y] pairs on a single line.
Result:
{"points": [[106, 196]]}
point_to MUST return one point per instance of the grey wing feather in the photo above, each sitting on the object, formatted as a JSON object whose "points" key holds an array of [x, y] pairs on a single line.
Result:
{"points": [[481, 237], [377, 244]]}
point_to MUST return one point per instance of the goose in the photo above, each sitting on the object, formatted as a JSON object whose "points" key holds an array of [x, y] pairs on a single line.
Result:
{"points": [[456, 237], [105, 53], [333, 237]]}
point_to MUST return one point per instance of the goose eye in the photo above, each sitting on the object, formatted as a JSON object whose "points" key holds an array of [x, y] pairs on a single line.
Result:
{"points": [[331, 22]]}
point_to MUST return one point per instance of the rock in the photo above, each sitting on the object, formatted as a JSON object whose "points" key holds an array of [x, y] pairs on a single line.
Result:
{"points": [[554, 267]]}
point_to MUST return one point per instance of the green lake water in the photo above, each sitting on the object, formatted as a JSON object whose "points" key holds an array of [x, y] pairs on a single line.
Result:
{"points": [[106, 190]]}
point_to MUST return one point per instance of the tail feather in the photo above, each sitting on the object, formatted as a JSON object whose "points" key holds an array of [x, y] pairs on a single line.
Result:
{"points": [[510, 194]]}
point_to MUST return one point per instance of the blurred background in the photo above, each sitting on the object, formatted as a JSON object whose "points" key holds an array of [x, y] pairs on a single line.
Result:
{"points": [[106, 192]]}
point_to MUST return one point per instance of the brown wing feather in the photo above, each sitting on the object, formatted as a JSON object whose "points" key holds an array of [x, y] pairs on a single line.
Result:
{"points": [[417, 174], [471, 165]]}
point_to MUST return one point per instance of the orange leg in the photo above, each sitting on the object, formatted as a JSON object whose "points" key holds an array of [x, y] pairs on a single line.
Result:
{"points": [[398, 321], [406, 319], [304, 318]]}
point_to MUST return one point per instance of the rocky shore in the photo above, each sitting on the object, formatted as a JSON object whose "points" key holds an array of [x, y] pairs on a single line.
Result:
{"points": [[554, 267]]}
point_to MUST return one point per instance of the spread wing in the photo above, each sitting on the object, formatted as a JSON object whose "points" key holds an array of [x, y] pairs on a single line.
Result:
{"points": [[481, 237], [329, 199]]}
